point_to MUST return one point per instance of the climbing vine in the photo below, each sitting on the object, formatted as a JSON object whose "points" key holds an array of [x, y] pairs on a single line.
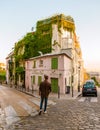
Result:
{"points": [[41, 39]]}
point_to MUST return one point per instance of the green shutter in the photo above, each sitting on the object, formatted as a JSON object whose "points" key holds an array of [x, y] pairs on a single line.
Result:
{"points": [[54, 85], [39, 79], [34, 64], [54, 63], [34, 79]]}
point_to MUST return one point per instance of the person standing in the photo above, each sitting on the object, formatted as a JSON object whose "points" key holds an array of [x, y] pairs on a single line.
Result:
{"points": [[44, 90]]}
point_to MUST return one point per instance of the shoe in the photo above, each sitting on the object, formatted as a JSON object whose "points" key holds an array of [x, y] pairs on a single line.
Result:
{"points": [[40, 112], [45, 112]]}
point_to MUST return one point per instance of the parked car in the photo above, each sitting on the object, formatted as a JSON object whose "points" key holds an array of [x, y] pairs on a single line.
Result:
{"points": [[89, 88]]}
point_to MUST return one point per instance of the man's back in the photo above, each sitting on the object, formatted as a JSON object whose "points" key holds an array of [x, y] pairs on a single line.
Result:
{"points": [[45, 88]]}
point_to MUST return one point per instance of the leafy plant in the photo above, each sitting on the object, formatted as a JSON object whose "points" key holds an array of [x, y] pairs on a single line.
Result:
{"points": [[20, 70]]}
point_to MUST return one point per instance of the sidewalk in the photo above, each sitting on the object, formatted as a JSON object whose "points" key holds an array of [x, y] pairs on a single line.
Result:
{"points": [[55, 96], [52, 96], [65, 96]]}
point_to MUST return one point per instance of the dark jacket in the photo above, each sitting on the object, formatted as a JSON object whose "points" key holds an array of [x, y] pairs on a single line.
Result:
{"points": [[44, 88]]}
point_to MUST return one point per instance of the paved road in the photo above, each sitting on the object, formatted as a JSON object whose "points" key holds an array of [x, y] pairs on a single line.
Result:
{"points": [[15, 106], [19, 111], [82, 113]]}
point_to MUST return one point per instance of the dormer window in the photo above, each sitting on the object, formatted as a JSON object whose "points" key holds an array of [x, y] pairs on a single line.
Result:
{"points": [[40, 63], [34, 64]]}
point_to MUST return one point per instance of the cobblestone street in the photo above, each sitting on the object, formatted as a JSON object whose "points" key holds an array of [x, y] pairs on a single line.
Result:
{"points": [[20, 112], [80, 114]]}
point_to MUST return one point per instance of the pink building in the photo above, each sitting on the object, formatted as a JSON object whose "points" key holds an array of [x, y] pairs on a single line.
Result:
{"points": [[56, 66]]}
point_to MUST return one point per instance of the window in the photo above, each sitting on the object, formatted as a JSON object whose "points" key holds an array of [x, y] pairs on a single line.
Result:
{"points": [[54, 63], [27, 65], [33, 79], [34, 64], [40, 63], [39, 79]]}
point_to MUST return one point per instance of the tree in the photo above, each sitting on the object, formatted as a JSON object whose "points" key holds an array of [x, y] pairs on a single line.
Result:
{"points": [[96, 82]]}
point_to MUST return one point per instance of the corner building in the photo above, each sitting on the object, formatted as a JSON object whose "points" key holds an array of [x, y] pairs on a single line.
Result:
{"points": [[61, 56]]}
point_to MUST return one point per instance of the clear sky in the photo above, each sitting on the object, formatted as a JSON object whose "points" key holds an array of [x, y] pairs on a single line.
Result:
{"points": [[17, 17]]}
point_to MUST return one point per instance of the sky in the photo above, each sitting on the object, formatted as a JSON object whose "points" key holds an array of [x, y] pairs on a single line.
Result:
{"points": [[17, 17]]}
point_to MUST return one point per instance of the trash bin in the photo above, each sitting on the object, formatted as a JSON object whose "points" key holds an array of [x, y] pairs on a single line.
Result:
{"points": [[68, 89]]}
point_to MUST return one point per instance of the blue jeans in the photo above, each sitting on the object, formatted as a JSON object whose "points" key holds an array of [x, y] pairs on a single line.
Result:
{"points": [[45, 100]]}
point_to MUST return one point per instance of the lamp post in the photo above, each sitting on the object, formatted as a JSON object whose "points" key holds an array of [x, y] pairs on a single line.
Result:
{"points": [[72, 77], [58, 91], [72, 86], [79, 79]]}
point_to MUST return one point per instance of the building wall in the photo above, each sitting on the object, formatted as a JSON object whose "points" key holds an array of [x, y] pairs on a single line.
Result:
{"points": [[63, 72], [55, 35], [9, 66]]}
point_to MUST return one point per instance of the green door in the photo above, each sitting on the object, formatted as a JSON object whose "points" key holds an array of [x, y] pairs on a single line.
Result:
{"points": [[54, 85]]}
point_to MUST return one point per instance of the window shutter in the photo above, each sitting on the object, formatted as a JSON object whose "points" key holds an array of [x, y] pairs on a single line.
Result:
{"points": [[54, 63]]}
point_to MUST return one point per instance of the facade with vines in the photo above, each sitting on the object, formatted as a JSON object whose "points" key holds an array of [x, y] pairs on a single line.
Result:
{"points": [[53, 35]]}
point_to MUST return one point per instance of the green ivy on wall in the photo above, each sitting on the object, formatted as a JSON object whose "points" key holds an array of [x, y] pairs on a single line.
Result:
{"points": [[42, 38], [19, 70]]}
